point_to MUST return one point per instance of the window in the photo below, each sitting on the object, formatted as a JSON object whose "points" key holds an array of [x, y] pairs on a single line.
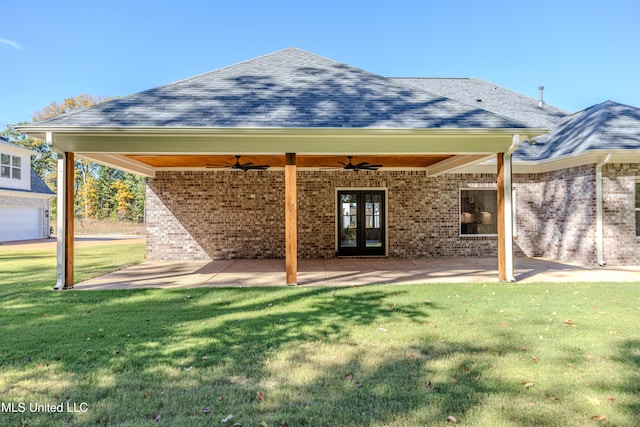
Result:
{"points": [[478, 211], [637, 209], [10, 166]]}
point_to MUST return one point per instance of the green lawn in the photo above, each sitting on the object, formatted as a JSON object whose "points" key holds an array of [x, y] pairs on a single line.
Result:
{"points": [[486, 354]]}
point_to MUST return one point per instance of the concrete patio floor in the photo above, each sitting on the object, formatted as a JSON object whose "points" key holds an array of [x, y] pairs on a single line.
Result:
{"points": [[348, 272]]}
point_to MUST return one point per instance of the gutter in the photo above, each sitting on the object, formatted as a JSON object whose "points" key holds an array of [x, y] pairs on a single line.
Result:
{"points": [[600, 213], [508, 208]]}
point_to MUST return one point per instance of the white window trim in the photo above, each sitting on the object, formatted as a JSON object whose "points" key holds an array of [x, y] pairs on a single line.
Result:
{"points": [[11, 166]]}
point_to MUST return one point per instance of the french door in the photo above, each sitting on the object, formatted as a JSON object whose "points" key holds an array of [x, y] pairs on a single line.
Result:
{"points": [[361, 222]]}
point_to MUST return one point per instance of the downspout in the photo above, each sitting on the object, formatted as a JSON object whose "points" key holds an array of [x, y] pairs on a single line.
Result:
{"points": [[508, 208], [61, 225], [600, 212]]}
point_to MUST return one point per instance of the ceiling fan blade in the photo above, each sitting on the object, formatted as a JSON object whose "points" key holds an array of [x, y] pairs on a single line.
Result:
{"points": [[247, 167]]}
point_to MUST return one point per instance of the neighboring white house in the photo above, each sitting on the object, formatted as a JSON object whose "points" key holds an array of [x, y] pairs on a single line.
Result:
{"points": [[24, 197]]}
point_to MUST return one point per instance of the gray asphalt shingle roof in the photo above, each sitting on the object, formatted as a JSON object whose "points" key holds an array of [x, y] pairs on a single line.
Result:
{"points": [[290, 88], [605, 126], [489, 96]]}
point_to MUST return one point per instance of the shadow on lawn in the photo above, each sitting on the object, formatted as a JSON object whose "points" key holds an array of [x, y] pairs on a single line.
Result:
{"points": [[629, 354], [233, 336]]}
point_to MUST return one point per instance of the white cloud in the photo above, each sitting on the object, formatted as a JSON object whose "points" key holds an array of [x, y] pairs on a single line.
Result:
{"points": [[10, 43]]}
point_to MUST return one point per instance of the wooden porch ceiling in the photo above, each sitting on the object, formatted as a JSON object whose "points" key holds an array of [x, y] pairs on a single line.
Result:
{"points": [[278, 161]]}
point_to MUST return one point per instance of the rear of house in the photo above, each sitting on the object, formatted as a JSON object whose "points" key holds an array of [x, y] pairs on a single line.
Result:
{"points": [[295, 155]]}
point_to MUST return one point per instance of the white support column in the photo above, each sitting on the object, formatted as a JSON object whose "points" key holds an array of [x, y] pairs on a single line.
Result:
{"points": [[506, 265], [61, 223]]}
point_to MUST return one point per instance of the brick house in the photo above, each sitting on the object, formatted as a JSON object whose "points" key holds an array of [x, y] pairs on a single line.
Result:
{"points": [[292, 155], [24, 197]]}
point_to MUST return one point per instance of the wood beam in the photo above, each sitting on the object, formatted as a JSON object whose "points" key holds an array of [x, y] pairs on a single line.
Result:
{"points": [[291, 219]]}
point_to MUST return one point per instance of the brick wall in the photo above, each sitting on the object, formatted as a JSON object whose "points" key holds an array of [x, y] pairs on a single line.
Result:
{"points": [[226, 215], [556, 214], [621, 246]]}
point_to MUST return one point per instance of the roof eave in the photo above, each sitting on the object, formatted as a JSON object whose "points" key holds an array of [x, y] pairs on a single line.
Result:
{"points": [[279, 140]]}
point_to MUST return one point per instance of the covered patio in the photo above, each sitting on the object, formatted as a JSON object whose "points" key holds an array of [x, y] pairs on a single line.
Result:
{"points": [[348, 272], [297, 114]]}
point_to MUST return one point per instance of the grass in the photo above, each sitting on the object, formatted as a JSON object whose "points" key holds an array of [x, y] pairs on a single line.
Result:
{"points": [[486, 354]]}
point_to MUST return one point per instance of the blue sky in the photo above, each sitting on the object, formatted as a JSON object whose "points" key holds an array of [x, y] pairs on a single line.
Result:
{"points": [[583, 52]]}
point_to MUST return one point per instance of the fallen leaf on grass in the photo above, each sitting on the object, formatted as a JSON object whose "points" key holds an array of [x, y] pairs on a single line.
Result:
{"points": [[613, 399], [570, 322], [260, 396], [147, 393], [348, 377], [358, 384], [535, 359], [598, 418], [452, 419]]}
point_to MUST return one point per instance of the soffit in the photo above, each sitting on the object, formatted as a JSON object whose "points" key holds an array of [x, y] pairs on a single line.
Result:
{"points": [[277, 161]]}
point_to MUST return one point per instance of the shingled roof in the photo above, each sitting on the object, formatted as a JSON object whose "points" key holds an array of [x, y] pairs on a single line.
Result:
{"points": [[607, 126], [491, 97], [290, 88]]}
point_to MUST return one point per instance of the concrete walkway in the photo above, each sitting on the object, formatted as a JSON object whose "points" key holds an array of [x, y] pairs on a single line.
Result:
{"points": [[349, 272]]}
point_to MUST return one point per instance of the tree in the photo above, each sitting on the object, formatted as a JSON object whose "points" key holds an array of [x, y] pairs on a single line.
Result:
{"points": [[101, 192], [69, 104]]}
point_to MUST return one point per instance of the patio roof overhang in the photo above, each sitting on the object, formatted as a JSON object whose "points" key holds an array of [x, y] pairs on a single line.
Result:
{"points": [[145, 150]]}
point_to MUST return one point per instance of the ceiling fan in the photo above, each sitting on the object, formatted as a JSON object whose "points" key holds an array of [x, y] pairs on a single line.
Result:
{"points": [[362, 166], [241, 166]]}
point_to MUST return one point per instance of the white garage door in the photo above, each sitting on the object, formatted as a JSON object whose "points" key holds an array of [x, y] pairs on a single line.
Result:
{"points": [[20, 223]]}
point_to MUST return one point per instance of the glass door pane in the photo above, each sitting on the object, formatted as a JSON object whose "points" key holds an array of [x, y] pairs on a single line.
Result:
{"points": [[373, 223], [348, 210]]}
